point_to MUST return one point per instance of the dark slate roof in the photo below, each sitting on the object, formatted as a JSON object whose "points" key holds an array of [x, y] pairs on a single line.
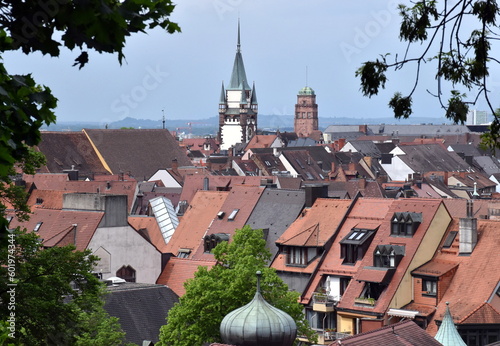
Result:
{"points": [[385, 148], [141, 309], [66, 149], [304, 164], [140, 152], [302, 142], [348, 136], [276, 210], [432, 158], [465, 149], [399, 334], [344, 158], [366, 148], [322, 157], [489, 165]]}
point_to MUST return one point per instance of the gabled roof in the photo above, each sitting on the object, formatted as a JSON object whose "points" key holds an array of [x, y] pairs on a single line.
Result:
{"points": [[276, 210], [428, 209], [240, 202], [193, 183], [476, 273], [483, 314], [64, 150], [140, 308], [367, 148], [196, 220], [141, 152], [57, 226], [304, 164], [488, 164], [179, 270], [431, 158], [148, 228], [403, 333], [261, 141]]}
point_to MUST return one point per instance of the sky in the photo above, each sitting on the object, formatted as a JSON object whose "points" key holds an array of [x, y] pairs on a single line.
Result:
{"points": [[180, 75]]}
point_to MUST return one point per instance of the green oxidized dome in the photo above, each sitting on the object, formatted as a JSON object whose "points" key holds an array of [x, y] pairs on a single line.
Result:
{"points": [[306, 91]]}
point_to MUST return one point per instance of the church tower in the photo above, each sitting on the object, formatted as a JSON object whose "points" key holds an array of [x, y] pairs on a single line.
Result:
{"points": [[306, 113], [237, 106]]}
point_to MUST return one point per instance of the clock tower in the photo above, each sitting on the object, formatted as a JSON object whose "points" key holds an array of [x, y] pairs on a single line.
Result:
{"points": [[306, 113]]}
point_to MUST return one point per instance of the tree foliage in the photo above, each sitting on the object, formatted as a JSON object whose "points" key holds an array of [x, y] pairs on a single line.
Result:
{"points": [[48, 26], [463, 59], [230, 284], [51, 297]]}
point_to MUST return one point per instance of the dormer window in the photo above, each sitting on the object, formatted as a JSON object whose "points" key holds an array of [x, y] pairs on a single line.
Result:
{"points": [[297, 255], [405, 224], [388, 256], [211, 241], [183, 253], [355, 244]]}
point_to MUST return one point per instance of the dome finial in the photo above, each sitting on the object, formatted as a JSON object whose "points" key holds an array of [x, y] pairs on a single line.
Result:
{"points": [[259, 273]]}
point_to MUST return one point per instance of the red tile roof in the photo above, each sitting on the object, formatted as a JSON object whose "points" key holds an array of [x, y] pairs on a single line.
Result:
{"points": [[406, 333], [476, 278], [196, 220], [57, 225], [179, 270], [153, 231], [483, 314], [435, 268]]}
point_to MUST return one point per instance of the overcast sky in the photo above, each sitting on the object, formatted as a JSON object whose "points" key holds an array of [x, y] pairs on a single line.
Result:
{"points": [[181, 74]]}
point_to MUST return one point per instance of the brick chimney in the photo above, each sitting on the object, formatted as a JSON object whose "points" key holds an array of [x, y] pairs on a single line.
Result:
{"points": [[175, 165], [468, 231], [361, 183], [363, 128]]}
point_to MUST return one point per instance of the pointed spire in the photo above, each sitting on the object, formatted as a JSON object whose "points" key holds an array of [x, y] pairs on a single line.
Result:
{"points": [[254, 95], [222, 99], [238, 45], [448, 333], [238, 76]]}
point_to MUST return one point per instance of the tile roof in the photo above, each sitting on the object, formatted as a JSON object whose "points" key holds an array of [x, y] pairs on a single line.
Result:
{"points": [[242, 198], [404, 333], [483, 314], [431, 158], [46, 199], [428, 208], [196, 220], [57, 226], [303, 164], [64, 150], [457, 207], [140, 308], [475, 273], [140, 152], [179, 270], [150, 227], [261, 141], [193, 183], [276, 210], [435, 268]]}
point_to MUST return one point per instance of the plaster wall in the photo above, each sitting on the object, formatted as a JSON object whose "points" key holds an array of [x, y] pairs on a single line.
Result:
{"points": [[230, 134], [126, 247], [397, 170]]}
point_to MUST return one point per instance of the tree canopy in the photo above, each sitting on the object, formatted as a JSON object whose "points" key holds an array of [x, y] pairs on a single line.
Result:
{"points": [[458, 37], [230, 284]]}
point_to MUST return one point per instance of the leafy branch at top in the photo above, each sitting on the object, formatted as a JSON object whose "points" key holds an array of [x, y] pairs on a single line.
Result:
{"points": [[463, 58]]}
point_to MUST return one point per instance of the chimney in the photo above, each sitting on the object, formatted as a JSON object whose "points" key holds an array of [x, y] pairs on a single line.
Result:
{"points": [[72, 173], [352, 166], [468, 231], [315, 191], [175, 165], [206, 185], [341, 142], [363, 128], [333, 167], [361, 183], [275, 152]]}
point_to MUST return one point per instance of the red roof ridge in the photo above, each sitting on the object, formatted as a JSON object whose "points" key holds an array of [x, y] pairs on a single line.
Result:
{"points": [[477, 309]]}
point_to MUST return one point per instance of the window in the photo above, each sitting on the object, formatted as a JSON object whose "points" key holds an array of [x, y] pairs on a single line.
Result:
{"points": [[211, 241], [127, 273], [387, 256], [405, 224], [355, 244], [372, 290], [233, 215], [297, 256], [429, 287], [183, 253], [37, 227]]}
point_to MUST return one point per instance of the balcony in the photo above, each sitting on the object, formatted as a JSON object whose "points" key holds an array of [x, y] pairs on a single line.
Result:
{"points": [[323, 302]]}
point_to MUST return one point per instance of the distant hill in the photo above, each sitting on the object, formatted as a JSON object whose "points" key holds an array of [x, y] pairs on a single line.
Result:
{"points": [[209, 126]]}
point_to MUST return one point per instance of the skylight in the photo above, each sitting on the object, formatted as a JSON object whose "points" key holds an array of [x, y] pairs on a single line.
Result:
{"points": [[233, 214], [37, 226], [165, 215]]}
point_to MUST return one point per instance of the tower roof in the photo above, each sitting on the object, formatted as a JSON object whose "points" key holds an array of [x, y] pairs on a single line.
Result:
{"points": [[254, 95], [258, 324], [238, 76], [222, 99], [306, 91], [447, 333]]}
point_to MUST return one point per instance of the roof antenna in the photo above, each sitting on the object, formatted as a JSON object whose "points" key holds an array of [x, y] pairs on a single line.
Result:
{"points": [[163, 121]]}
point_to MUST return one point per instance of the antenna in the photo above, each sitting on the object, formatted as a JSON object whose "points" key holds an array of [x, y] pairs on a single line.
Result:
{"points": [[163, 120]]}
